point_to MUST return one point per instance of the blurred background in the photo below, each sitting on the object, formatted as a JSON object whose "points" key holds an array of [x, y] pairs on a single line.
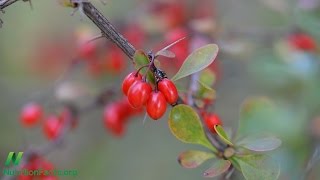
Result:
{"points": [[268, 49]]}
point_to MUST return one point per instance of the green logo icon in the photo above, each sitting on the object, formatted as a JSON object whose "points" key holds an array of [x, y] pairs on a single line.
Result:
{"points": [[14, 158]]}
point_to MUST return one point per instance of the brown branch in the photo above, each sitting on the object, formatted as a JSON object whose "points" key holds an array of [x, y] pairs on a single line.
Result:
{"points": [[108, 30], [6, 3]]}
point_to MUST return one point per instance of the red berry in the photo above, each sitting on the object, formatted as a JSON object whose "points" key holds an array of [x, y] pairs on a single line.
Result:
{"points": [[169, 90], [87, 50], [117, 114], [52, 127], [175, 14], [113, 119], [211, 120], [302, 41], [31, 114], [172, 13], [115, 61], [129, 80], [138, 94], [128, 109], [156, 105], [36, 163], [135, 35]]}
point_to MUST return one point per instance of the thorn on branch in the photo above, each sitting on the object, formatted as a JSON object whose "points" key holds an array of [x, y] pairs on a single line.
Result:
{"points": [[96, 37]]}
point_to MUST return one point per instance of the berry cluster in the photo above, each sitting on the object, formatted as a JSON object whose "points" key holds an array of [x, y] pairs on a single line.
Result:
{"points": [[140, 94], [32, 114], [117, 114]]}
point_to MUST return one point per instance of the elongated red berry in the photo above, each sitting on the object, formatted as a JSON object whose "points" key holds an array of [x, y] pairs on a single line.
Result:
{"points": [[129, 80], [211, 120], [115, 60], [127, 109], [52, 127], [139, 93], [156, 105], [113, 119], [87, 50], [31, 114], [169, 90], [303, 42]]}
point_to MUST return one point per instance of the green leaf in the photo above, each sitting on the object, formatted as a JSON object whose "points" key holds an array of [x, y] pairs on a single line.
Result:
{"points": [[207, 77], [205, 86], [206, 81], [141, 59], [260, 166], [255, 111], [206, 92], [185, 125], [235, 163], [261, 115], [218, 167], [222, 134], [197, 61], [193, 159], [260, 144]]}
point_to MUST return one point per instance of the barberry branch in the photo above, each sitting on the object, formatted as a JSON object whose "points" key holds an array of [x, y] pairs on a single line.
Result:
{"points": [[6, 3], [107, 29]]}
